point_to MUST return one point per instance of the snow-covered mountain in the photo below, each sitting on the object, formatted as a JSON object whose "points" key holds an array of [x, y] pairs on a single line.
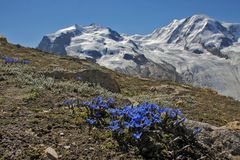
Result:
{"points": [[197, 29], [197, 50], [108, 48]]}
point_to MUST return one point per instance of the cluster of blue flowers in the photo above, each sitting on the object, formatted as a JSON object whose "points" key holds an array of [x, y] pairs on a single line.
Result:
{"points": [[149, 127], [142, 118], [132, 120], [12, 60]]}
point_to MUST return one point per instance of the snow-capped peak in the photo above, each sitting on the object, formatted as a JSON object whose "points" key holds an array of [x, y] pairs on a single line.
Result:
{"points": [[201, 16], [195, 30], [93, 28], [70, 29]]}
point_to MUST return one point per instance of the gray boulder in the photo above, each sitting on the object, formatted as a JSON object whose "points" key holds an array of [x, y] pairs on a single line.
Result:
{"points": [[224, 138], [51, 153]]}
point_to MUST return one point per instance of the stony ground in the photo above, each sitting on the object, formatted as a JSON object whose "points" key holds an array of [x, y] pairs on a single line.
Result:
{"points": [[32, 117]]}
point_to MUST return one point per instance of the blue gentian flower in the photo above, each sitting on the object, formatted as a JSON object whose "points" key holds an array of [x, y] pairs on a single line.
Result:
{"points": [[128, 125], [147, 122], [98, 114], [98, 100], [197, 130], [25, 61], [105, 106], [178, 112], [114, 125], [113, 128], [138, 125], [137, 117], [137, 135], [172, 114], [114, 112], [110, 101], [179, 121], [157, 120], [93, 106], [91, 121], [68, 102], [114, 122]]}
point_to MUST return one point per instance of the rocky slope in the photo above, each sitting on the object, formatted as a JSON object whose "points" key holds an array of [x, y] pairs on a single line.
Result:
{"points": [[197, 50], [35, 124]]}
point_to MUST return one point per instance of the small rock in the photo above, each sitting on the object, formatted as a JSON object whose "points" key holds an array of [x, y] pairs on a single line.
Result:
{"points": [[91, 149], [51, 153], [66, 147], [46, 111], [74, 143], [153, 89], [233, 125], [61, 134]]}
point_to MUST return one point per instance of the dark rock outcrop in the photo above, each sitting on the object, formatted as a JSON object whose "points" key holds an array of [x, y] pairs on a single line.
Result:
{"points": [[104, 79], [3, 39], [147, 68], [93, 53], [58, 45], [114, 35]]}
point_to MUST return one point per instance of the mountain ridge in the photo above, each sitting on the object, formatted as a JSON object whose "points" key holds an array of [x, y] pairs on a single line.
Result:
{"points": [[189, 51]]}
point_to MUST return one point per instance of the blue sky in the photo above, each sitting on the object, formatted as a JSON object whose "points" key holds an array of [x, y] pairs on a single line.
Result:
{"points": [[26, 21]]}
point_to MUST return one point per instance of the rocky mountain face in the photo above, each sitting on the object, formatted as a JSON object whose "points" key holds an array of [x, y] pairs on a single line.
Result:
{"points": [[197, 50]]}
